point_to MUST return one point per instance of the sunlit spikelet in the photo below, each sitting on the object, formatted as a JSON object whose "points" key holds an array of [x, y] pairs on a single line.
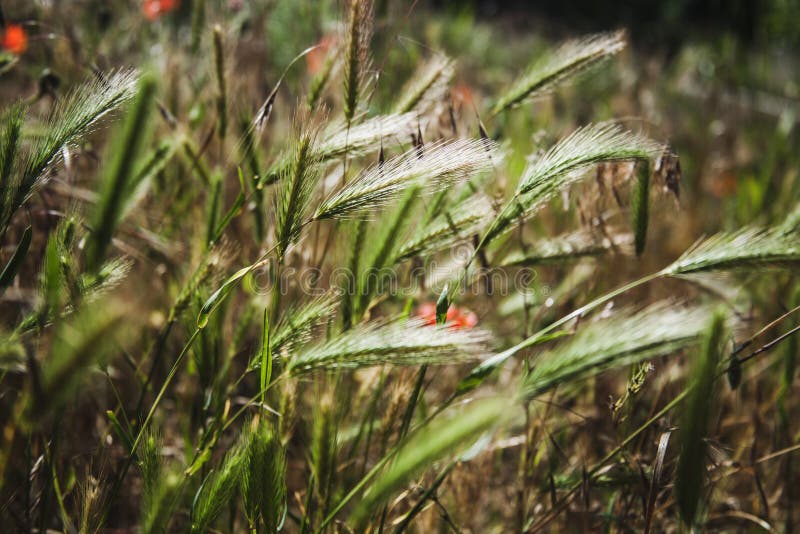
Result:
{"points": [[73, 118], [407, 342], [561, 166], [554, 68], [427, 86], [752, 246], [443, 163], [628, 337], [299, 181], [366, 135], [336, 140]]}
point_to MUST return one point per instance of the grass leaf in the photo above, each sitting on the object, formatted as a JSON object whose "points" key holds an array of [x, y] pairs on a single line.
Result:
{"points": [[691, 471]]}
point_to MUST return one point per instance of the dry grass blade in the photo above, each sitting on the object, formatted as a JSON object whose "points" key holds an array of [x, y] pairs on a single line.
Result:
{"points": [[691, 471], [408, 342], [441, 164], [570, 247], [655, 480], [625, 339], [554, 68], [561, 166]]}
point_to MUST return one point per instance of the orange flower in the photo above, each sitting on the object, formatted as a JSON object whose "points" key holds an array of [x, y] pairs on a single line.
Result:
{"points": [[154, 9], [456, 317], [15, 40], [462, 95], [315, 59]]}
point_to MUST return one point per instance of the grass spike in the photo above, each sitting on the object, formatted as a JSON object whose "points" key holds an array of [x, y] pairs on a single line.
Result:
{"points": [[442, 164], [554, 68], [628, 338], [298, 184], [356, 61], [561, 166], [402, 343], [72, 119]]}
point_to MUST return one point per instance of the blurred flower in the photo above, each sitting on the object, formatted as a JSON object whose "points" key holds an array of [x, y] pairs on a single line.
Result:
{"points": [[456, 317], [15, 40], [153, 9], [462, 95], [316, 58]]}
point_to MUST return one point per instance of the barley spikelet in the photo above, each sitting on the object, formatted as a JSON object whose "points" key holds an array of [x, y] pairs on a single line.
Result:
{"points": [[356, 61], [554, 68]]}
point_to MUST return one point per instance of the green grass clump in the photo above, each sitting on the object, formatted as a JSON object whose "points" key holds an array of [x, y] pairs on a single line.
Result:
{"points": [[323, 277]]}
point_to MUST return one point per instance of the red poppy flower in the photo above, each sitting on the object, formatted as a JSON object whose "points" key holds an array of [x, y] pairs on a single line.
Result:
{"points": [[456, 317], [15, 39], [153, 9]]}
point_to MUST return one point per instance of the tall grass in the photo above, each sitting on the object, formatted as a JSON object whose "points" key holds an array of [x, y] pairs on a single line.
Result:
{"points": [[212, 334]]}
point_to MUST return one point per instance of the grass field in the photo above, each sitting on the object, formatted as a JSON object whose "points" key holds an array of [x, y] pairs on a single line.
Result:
{"points": [[382, 266]]}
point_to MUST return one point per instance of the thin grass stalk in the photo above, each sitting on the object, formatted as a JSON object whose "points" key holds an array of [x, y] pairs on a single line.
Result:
{"points": [[222, 95], [640, 206]]}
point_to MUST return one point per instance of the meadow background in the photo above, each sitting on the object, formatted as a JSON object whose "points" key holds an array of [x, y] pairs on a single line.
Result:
{"points": [[165, 162]]}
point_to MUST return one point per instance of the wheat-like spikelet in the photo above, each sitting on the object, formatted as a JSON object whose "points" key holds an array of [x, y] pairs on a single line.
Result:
{"points": [[408, 342], [357, 60], [295, 325], [73, 118], [561, 166], [553, 68], [427, 86], [440, 164], [336, 140], [221, 485], [568, 247], [696, 419], [299, 181], [628, 337], [752, 246]]}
